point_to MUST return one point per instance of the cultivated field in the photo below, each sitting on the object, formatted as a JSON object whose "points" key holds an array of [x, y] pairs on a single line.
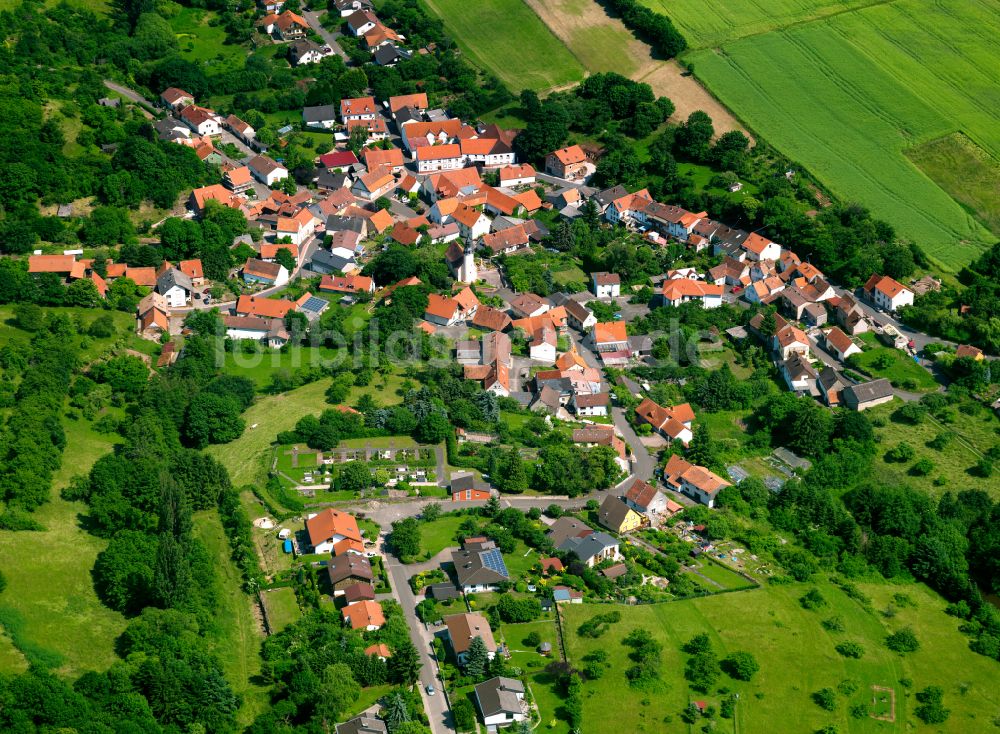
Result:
{"points": [[796, 656], [507, 38], [688, 95], [848, 94]]}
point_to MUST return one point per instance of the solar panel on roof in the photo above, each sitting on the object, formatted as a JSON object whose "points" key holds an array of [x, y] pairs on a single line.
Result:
{"points": [[493, 560], [314, 304]]}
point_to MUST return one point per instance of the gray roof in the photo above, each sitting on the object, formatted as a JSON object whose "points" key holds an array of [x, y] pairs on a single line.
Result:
{"points": [[332, 181], [337, 223], [467, 481], [409, 114], [868, 391], [499, 696], [322, 113], [567, 527], [349, 565], [443, 590], [363, 724], [169, 278], [472, 569], [612, 512], [522, 396], [604, 198], [588, 546], [389, 54], [325, 258]]}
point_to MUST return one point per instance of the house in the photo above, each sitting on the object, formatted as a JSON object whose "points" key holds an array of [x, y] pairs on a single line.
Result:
{"points": [[592, 548], [760, 248], [438, 132], [442, 310], [491, 319], [329, 527], [193, 270], [479, 566], [215, 192], [466, 488], [374, 184], [600, 435], [965, 350], [527, 305], [350, 284], [305, 52], [799, 375], [175, 287], [269, 251], [566, 595], [542, 347], [569, 163], [472, 224], [338, 259], [645, 498], [814, 314], [487, 152], [416, 101], [592, 404], [176, 99], [323, 117], [258, 271], [840, 345], [579, 316], [606, 285], [361, 21], [850, 316], [266, 170], [501, 702], [681, 290], [364, 615], [358, 108], [617, 516], [463, 629], [551, 565], [297, 228], [237, 179], [507, 241], [201, 120], [764, 291], [339, 159], [609, 336], [567, 527], [789, 339], [348, 569], [363, 724], [379, 650], [253, 328], [695, 481], [867, 394], [266, 307], [517, 175], [59, 264], [377, 157], [376, 129], [287, 26], [348, 7], [887, 294], [830, 386], [433, 158], [153, 315]]}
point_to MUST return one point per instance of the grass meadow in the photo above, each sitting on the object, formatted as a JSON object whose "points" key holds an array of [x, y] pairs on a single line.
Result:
{"points": [[509, 39], [796, 656], [847, 95], [282, 607]]}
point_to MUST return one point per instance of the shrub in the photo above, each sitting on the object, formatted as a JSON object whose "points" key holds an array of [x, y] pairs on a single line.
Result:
{"points": [[931, 709], [850, 649], [833, 624], [900, 453], [825, 698], [532, 639], [903, 641], [740, 665], [922, 468], [813, 599]]}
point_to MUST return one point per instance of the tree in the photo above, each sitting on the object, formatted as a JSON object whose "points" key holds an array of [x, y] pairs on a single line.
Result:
{"points": [[740, 665], [465, 715], [123, 572], [825, 698], [476, 658], [126, 374], [394, 711], [432, 428], [29, 317], [702, 450], [404, 665], [931, 709], [903, 641], [702, 670], [172, 579], [212, 419], [405, 538], [694, 136], [354, 476], [337, 691]]}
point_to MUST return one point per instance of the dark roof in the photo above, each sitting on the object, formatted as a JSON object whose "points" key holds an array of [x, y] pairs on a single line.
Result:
{"points": [[333, 181], [319, 113], [467, 481], [169, 278], [868, 391], [336, 223], [588, 546], [567, 527], [349, 565], [389, 54], [479, 564], [409, 114], [500, 696], [604, 198], [363, 724], [444, 590], [612, 512]]}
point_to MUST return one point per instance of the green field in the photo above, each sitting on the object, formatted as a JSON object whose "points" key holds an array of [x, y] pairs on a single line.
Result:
{"points": [[238, 638], [508, 39], [901, 371], [542, 685], [203, 43], [846, 95], [282, 607], [965, 171], [48, 573], [797, 657], [439, 534]]}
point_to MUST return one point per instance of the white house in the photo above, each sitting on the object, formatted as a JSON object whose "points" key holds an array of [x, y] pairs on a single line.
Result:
{"points": [[522, 175], [246, 327], [501, 702], [542, 347], [695, 481], [606, 285], [202, 120], [175, 287], [267, 170], [432, 158], [645, 498], [472, 224], [761, 248], [682, 290], [592, 404], [329, 527], [840, 344], [887, 294]]}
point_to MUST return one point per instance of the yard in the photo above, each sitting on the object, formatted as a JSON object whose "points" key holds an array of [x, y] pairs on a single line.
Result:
{"points": [[282, 607], [541, 684], [896, 366], [439, 534], [772, 625], [846, 94]]}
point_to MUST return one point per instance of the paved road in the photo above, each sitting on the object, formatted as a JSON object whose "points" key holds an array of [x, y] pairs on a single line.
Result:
{"points": [[561, 182], [129, 94], [329, 38]]}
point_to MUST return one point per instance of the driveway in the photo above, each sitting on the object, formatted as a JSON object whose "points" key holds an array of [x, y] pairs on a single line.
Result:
{"points": [[329, 38], [132, 95]]}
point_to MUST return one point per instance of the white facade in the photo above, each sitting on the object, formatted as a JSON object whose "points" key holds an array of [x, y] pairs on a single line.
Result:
{"points": [[176, 297], [241, 334], [441, 164], [543, 352], [479, 228]]}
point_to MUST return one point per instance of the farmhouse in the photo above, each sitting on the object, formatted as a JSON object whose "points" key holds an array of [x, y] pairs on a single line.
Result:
{"points": [[463, 629]]}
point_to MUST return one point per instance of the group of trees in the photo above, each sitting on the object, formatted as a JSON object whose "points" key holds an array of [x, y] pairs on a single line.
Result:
{"points": [[656, 28]]}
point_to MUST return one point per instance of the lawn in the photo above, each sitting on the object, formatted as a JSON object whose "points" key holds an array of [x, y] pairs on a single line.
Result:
{"points": [[48, 574], [511, 41], [282, 607], [797, 658], [262, 366], [439, 534], [238, 635], [897, 367], [247, 457], [203, 43], [846, 95], [972, 435], [722, 576], [542, 685]]}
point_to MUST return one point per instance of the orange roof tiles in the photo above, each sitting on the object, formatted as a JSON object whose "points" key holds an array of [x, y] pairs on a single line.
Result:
{"points": [[609, 332], [51, 264], [266, 307], [328, 523], [570, 155], [438, 152], [364, 614]]}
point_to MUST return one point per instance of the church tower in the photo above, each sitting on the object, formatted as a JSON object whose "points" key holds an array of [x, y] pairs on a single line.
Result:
{"points": [[468, 272]]}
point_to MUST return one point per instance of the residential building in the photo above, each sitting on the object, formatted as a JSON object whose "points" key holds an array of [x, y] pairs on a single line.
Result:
{"points": [[501, 702], [618, 517], [323, 116], [887, 294], [760, 248], [287, 26], [830, 386], [788, 340], [840, 344], [348, 569], [491, 319], [361, 21], [867, 394], [799, 375], [695, 481], [258, 271], [363, 724], [472, 224], [349, 284], [966, 350], [251, 328], [517, 175], [434, 158], [567, 527], [364, 615], [463, 629], [175, 287], [271, 308], [329, 527], [153, 315], [479, 566], [377, 157], [682, 290], [593, 404], [568, 163], [507, 241], [579, 316], [645, 498], [592, 548], [374, 184], [606, 285], [267, 170], [176, 99], [237, 179], [609, 336], [416, 101], [305, 52], [358, 108]]}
